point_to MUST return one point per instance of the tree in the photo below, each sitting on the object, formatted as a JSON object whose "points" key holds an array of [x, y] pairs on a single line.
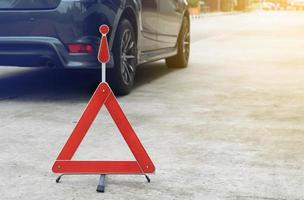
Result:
{"points": [[193, 3]]}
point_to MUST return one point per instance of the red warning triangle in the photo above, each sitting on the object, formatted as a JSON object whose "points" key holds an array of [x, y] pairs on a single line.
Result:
{"points": [[103, 96]]}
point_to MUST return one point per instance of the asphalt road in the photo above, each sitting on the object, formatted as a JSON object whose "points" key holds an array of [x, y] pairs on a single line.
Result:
{"points": [[228, 127]]}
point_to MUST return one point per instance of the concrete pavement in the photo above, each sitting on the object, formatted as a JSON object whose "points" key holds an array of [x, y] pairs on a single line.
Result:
{"points": [[228, 127]]}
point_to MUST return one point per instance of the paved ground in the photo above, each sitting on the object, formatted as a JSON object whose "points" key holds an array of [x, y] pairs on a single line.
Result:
{"points": [[228, 127]]}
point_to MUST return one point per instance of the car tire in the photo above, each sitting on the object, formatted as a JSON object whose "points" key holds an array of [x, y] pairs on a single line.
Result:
{"points": [[183, 47], [125, 59]]}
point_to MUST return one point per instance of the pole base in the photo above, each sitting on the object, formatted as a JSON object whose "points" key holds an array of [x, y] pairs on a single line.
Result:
{"points": [[102, 184]]}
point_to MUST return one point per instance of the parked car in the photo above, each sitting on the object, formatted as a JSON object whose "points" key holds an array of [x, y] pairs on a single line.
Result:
{"points": [[64, 34]]}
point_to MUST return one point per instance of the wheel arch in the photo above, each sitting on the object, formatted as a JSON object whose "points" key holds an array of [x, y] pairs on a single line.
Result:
{"points": [[130, 15], [129, 11], [186, 14]]}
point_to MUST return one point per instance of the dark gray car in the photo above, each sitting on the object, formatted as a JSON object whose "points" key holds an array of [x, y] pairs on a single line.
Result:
{"points": [[64, 34]]}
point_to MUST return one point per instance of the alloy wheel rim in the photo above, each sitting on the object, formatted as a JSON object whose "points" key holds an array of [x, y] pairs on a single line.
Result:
{"points": [[128, 57]]}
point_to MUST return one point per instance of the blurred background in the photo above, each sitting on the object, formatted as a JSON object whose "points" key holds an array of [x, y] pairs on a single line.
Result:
{"points": [[205, 6]]}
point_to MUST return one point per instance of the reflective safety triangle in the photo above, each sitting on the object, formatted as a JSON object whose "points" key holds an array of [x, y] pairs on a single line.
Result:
{"points": [[64, 163]]}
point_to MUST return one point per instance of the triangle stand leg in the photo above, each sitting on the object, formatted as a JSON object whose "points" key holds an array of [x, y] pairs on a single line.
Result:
{"points": [[148, 178], [101, 184], [59, 178]]}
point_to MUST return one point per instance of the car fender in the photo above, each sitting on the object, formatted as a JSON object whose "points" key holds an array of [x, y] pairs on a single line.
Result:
{"points": [[135, 6]]}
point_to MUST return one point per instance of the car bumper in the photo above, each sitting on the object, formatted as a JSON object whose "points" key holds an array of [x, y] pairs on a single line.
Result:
{"points": [[43, 52], [40, 37]]}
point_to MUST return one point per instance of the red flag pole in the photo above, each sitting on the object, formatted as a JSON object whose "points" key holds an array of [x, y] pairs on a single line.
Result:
{"points": [[103, 54], [103, 57]]}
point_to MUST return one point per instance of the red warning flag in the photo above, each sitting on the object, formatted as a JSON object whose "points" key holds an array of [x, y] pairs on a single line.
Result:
{"points": [[142, 164], [103, 53]]}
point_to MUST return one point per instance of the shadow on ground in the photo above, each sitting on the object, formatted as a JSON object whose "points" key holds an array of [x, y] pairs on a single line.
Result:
{"points": [[44, 84]]}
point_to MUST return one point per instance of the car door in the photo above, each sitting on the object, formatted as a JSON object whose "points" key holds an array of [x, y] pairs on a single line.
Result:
{"points": [[149, 18], [169, 21]]}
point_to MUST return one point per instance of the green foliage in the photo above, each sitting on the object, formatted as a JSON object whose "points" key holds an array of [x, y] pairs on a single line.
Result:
{"points": [[193, 3]]}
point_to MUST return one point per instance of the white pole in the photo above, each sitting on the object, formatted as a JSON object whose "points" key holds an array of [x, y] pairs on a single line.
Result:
{"points": [[103, 72]]}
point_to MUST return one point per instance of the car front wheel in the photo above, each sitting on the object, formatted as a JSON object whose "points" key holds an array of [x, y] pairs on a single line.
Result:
{"points": [[183, 47]]}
